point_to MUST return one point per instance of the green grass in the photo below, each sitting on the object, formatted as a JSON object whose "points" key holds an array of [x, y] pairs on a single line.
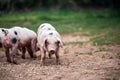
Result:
{"points": [[103, 25]]}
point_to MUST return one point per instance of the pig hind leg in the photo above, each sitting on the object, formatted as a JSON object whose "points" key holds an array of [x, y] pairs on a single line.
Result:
{"points": [[30, 51], [23, 52]]}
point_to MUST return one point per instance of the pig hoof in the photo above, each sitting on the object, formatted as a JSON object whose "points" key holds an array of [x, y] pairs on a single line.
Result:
{"points": [[18, 54], [41, 64], [9, 61], [50, 57], [34, 56], [23, 57], [58, 63], [15, 62]]}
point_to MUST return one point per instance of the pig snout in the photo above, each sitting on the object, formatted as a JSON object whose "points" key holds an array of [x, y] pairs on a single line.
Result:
{"points": [[6, 42], [52, 51]]}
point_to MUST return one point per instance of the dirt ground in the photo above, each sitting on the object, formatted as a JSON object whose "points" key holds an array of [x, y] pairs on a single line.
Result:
{"points": [[78, 62]]}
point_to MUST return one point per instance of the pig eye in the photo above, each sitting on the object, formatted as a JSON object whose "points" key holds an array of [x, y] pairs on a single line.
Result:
{"points": [[58, 42]]}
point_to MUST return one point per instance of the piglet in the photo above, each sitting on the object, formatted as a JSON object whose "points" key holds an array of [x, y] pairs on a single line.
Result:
{"points": [[15, 39], [26, 36], [49, 40], [9, 42]]}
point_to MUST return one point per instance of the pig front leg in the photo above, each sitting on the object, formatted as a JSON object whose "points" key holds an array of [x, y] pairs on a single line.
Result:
{"points": [[23, 52], [43, 56], [57, 57], [14, 55], [7, 52], [50, 56]]}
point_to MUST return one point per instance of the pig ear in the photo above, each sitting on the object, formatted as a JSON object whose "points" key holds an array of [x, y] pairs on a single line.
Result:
{"points": [[5, 32], [59, 42]]}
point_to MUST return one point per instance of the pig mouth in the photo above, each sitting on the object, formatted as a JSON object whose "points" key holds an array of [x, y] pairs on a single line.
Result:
{"points": [[51, 52]]}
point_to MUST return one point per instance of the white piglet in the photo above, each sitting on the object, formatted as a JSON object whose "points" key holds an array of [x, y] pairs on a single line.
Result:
{"points": [[26, 36], [17, 38], [9, 41], [49, 41], [42, 27]]}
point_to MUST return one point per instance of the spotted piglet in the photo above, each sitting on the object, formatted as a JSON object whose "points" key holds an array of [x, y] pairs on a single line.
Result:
{"points": [[9, 41], [15, 39], [25, 36], [49, 40]]}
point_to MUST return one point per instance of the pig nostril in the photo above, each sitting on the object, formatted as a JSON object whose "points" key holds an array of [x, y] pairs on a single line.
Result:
{"points": [[52, 51]]}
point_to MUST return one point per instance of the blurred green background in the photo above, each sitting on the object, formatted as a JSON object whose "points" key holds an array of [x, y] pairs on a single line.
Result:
{"points": [[99, 19]]}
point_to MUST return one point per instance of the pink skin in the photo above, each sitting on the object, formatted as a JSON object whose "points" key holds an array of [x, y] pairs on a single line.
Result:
{"points": [[6, 42]]}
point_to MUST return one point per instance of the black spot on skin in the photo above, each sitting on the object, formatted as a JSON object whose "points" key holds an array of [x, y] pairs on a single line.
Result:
{"points": [[42, 26], [15, 32], [14, 40], [3, 30], [51, 33], [49, 28]]}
